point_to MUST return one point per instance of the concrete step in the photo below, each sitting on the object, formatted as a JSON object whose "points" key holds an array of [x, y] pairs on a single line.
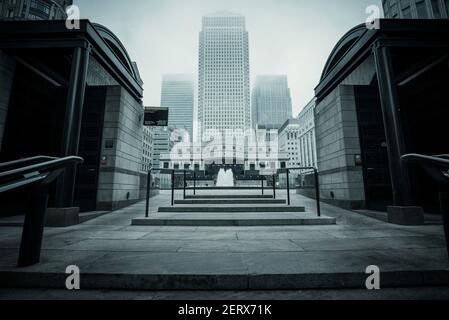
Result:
{"points": [[231, 201], [230, 196], [230, 209], [220, 281], [235, 220]]}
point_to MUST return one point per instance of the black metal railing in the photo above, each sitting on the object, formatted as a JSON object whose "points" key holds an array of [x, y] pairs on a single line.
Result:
{"points": [[192, 176], [36, 173], [437, 167]]}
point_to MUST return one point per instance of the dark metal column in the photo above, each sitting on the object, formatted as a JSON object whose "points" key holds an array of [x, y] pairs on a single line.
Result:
{"points": [[33, 228], [262, 185], [72, 123], [288, 186], [194, 183], [317, 192], [391, 111], [147, 207], [274, 186], [173, 188], [185, 185]]}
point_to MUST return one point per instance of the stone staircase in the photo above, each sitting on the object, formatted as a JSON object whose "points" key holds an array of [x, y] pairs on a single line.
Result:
{"points": [[232, 210]]}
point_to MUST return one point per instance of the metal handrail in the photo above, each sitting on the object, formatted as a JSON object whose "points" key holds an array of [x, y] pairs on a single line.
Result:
{"points": [[39, 176], [21, 162], [436, 160], [435, 166], [441, 161], [276, 173], [44, 166], [317, 184]]}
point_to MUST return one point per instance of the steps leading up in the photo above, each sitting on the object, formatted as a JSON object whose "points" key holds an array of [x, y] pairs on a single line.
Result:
{"points": [[231, 209], [227, 209], [230, 201], [234, 220], [230, 196]]}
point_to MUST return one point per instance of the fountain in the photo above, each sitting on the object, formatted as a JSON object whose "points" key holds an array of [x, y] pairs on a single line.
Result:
{"points": [[225, 178]]}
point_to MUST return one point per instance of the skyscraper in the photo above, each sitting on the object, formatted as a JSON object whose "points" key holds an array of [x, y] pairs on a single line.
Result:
{"points": [[416, 9], [34, 9], [224, 91], [271, 102], [177, 95]]}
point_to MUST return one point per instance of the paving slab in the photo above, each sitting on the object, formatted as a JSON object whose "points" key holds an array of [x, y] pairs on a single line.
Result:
{"points": [[113, 254], [233, 219]]}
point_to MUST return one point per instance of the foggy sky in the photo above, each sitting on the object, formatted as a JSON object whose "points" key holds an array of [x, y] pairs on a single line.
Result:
{"points": [[292, 37]]}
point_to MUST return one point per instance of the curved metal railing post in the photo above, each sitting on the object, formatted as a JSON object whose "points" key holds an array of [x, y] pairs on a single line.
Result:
{"points": [[194, 182], [262, 185], [26, 172], [437, 167], [185, 182], [173, 188]]}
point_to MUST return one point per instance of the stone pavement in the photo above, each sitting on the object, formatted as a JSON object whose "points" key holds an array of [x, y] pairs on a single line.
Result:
{"points": [[410, 293], [112, 254]]}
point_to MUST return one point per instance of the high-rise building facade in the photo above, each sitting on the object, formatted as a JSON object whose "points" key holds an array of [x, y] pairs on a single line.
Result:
{"points": [[34, 9], [271, 102], [416, 9], [177, 96], [306, 136], [289, 142], [224, 81]]}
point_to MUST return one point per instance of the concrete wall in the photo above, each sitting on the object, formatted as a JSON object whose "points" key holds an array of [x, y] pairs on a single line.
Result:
{"points": [[363, 74], [7, 66], [337, 135], [119, 182]]}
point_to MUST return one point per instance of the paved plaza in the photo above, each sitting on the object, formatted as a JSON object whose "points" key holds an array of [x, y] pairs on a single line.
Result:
{"points": [[113, 254]]}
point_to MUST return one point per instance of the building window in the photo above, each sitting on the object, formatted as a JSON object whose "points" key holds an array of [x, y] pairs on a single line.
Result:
{"points": [[109, 144], [406, 9], [422, 10], [166, 165], [394, 9], [436, 9]]}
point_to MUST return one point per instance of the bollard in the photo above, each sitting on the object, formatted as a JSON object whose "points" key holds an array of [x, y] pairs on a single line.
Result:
{"points": [[147, 208]]}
